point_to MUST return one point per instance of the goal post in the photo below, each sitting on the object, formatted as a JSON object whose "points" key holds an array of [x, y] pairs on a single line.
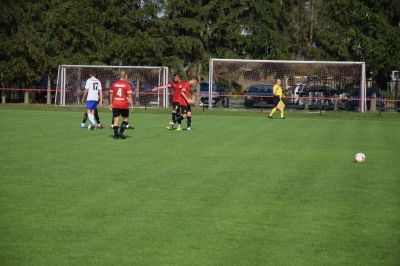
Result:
{"points": [[71, 82], [241, 73]]}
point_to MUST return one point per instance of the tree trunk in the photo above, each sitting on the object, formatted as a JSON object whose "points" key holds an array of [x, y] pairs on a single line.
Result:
{"points": [[26, 97], [48, 89], [3, 96], [372, 107]]}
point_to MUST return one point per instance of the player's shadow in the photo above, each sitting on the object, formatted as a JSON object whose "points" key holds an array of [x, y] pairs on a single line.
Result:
{"points": [[112, 136]]}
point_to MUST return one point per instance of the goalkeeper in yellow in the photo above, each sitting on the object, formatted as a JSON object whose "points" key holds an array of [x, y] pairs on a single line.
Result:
{"points": [[278, 95]]}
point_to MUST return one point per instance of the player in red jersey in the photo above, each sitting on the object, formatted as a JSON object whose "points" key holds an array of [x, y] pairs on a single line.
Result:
{"points": [[186, 101], [176, 85], [120, 97]]}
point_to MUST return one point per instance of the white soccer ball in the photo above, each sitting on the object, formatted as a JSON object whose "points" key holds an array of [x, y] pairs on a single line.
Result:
{"points": [[360, 157]]}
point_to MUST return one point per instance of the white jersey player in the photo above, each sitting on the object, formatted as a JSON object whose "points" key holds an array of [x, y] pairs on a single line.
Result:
{"points": [[94, 94]]}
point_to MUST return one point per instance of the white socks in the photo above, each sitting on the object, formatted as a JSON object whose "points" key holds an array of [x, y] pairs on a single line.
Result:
{"points": [[91, 119]]}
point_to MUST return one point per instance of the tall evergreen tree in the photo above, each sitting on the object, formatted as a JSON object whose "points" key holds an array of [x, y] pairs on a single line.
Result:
{"points": [[358, 31]]}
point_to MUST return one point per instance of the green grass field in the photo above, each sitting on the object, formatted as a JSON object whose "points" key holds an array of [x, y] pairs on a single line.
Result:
{"points": [[238, 190]]}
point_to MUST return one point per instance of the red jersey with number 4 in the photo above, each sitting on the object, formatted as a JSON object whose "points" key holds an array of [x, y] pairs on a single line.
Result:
{"points": [[177, 87], [121, 90], [186, 88]]}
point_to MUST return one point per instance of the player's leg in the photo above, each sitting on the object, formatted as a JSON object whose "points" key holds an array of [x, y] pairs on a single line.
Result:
{"points": [[92, 119], [96, 116], [178, 115], [90, 107], [181, 118], [188, 118], [173, 118], [175, 108], [85, 117], [282, 114], [173, 113], [276, 102], [272, 112], [189, 121], [178, 112], [116, 114], [125, 115], [184, 110], [123, 127]]}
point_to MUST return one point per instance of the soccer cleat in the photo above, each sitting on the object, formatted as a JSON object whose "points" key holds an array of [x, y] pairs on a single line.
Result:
{"points": [[179, 128], [270, 117], [112, 126], [116, 137], [171, 126], [95, 127], [189, 129], [89, 127], [83, 125], [129, 127], [122, 136], [282, 117]]}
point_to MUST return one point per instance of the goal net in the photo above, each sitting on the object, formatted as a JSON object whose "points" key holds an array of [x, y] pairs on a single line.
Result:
{"points": [[233, 76], [71, 83]]}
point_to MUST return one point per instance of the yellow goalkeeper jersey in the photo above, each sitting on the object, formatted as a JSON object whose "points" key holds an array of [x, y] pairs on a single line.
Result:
{"points": [[277, 90]]}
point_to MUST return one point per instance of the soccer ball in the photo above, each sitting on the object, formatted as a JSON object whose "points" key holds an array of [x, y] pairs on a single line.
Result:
{"points": [[360, 157]]}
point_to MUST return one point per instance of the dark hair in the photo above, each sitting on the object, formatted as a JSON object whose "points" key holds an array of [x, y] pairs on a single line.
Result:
{"points": [[177, 75], [195, 78]]}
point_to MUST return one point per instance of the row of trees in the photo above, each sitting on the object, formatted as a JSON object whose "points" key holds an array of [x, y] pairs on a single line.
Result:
{"points": [[37, 36]]}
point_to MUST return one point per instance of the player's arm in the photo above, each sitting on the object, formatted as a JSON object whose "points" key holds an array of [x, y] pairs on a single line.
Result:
{"points": [[101, 98], [84, 95], [160, 88], [192, 98], [111, 99], [281, 94], [186, 98], [130, 102]]}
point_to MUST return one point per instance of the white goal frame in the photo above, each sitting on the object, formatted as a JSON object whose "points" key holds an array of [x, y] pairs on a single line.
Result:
{"points": [[161, 78], [301, 68]]}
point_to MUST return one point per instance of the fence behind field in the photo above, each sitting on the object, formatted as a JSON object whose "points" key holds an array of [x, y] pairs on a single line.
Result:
{"points": [[385, 100], [155, 99]]}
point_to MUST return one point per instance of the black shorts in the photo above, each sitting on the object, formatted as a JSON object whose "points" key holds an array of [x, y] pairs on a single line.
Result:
{"points": [[120, 112], [175, 106], [276, 100], [186, 109]]}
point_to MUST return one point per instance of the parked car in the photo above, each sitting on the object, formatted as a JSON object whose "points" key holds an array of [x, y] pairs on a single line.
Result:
{"points": [[295, 92], [319, 96], [259, 95], [218, 97], [354, 98]]}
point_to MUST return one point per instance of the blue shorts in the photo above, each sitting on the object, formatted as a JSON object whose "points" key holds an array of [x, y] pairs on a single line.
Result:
{"points": [[92, 105]]}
